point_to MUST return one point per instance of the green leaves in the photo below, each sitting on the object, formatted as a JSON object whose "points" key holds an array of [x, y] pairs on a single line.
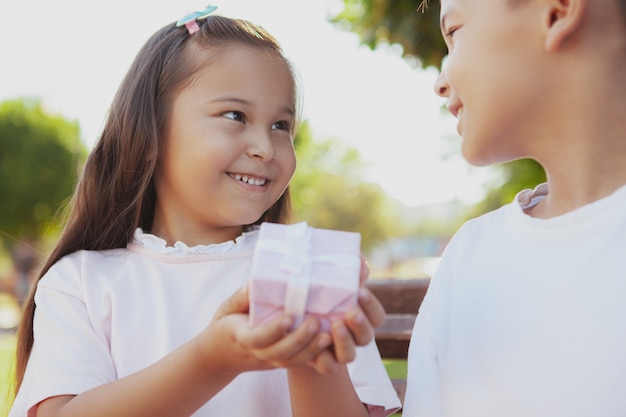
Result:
{"points": [[40, 156], [402, 22]]}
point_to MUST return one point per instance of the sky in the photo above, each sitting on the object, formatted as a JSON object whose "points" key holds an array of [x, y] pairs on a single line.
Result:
{"points": [[73, 54]]}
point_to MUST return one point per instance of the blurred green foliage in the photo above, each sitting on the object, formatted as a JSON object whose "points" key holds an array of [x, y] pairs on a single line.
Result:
{"points": [[400, 22], [513, 177], [40, 155], [328, 191]]}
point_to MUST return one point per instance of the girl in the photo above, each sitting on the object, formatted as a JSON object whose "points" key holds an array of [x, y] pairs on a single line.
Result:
{"points": [[197, 148]]}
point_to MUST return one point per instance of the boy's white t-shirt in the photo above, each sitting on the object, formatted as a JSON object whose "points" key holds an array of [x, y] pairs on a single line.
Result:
{"points": [[526, 317], [102, 315]]}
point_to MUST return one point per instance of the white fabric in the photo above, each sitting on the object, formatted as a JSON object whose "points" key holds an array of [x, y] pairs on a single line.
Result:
{"points": [[526, 317], [102, 315]]}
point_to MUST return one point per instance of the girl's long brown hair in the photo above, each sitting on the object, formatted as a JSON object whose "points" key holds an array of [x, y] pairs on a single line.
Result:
{"points": [[115, 194]]}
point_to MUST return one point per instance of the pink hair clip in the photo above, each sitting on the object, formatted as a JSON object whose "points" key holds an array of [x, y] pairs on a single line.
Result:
{"points": [[190, 20]]}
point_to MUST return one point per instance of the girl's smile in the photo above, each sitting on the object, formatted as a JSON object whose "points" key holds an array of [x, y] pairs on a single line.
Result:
{"points": [[228, 153], [249, 179]]}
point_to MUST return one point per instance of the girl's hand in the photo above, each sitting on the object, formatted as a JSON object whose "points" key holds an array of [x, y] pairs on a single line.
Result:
{"points": [[371, 307], [237, 347]]}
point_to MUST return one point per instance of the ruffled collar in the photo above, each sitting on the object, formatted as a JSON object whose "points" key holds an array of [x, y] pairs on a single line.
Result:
{"points": [[156, 244], [527, 199]]}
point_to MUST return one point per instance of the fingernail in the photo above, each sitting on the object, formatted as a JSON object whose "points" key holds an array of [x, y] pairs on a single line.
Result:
{"points": [[312, 327], [286, 322], [364, 295], [358, 317], [340, 328], [324, 340]]}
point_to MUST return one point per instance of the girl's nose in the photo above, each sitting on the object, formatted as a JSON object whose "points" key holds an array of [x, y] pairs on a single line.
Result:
{"points": [[441, 85], [261, 146]]}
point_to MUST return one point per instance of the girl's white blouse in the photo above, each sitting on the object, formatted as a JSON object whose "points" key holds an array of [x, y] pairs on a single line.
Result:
{"points": [[102, 315]]}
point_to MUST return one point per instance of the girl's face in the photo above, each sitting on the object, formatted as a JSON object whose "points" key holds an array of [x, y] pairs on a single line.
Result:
{"points": [[228, 152]]}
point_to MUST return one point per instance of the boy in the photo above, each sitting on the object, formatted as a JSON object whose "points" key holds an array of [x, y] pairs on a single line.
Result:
{"points": [[526, 315]]}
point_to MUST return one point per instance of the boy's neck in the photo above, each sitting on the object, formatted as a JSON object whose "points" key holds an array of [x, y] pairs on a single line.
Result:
{"points": [[583, 176], [581, 136]]}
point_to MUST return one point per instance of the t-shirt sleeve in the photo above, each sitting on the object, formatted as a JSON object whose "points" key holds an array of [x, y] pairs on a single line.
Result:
{"points": [[425, 394], [70, 355], [371, 382]]}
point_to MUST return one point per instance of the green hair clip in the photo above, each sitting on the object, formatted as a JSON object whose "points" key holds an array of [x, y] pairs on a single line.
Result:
{"points": [[190, 20]]}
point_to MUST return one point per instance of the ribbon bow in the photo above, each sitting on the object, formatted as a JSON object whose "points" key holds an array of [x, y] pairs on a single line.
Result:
{"points": [[297, 262], [190, 20]]}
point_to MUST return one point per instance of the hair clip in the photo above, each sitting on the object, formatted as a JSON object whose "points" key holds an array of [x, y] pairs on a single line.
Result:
{"points": [[189, 20]]}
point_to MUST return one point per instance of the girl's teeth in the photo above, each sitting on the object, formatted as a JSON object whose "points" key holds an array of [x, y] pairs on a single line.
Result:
{"points": [[249, 180]]}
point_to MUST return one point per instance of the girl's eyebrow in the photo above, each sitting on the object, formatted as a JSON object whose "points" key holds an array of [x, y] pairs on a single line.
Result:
{"points": [[229, 99]]}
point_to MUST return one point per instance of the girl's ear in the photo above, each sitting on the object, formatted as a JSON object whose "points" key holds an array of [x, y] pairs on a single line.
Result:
{"points": [[563, 18]]}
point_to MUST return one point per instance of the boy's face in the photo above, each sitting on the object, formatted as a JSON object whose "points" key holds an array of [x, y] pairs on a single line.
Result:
{"points": [[491, 76]]}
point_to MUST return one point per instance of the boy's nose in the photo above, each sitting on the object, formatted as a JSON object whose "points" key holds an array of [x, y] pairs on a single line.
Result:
{"points": [[441, 85]]}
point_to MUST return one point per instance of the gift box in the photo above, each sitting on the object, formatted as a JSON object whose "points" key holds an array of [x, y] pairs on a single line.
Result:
{"points": [[304, 271]]}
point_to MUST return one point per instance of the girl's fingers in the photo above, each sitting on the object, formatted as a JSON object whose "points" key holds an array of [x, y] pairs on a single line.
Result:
{"points": [[265, 335], [370, 305], [372, 308], [276, 345], [343, 342], [362, 320], [236, 303], [318, 345], [325, 363], [359, 327], [365, 271], [289, 348]]}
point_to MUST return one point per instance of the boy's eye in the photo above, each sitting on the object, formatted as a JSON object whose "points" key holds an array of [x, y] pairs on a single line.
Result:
{"points": [[282, 125], [235, 115], [450, 33]]}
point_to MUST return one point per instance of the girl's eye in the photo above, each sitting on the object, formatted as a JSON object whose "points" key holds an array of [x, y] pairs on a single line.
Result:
{"points": [[282, 125], [235, 115]]}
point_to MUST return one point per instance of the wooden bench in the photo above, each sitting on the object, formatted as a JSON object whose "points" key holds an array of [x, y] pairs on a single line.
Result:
{"points": [[401, 299]]}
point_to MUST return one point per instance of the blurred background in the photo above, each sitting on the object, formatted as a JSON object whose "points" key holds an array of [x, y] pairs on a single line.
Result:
{"points": [[378, 153]]}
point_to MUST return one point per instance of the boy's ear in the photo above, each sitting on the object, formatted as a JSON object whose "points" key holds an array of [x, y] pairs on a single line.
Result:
{"points": [[563, 18]]}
